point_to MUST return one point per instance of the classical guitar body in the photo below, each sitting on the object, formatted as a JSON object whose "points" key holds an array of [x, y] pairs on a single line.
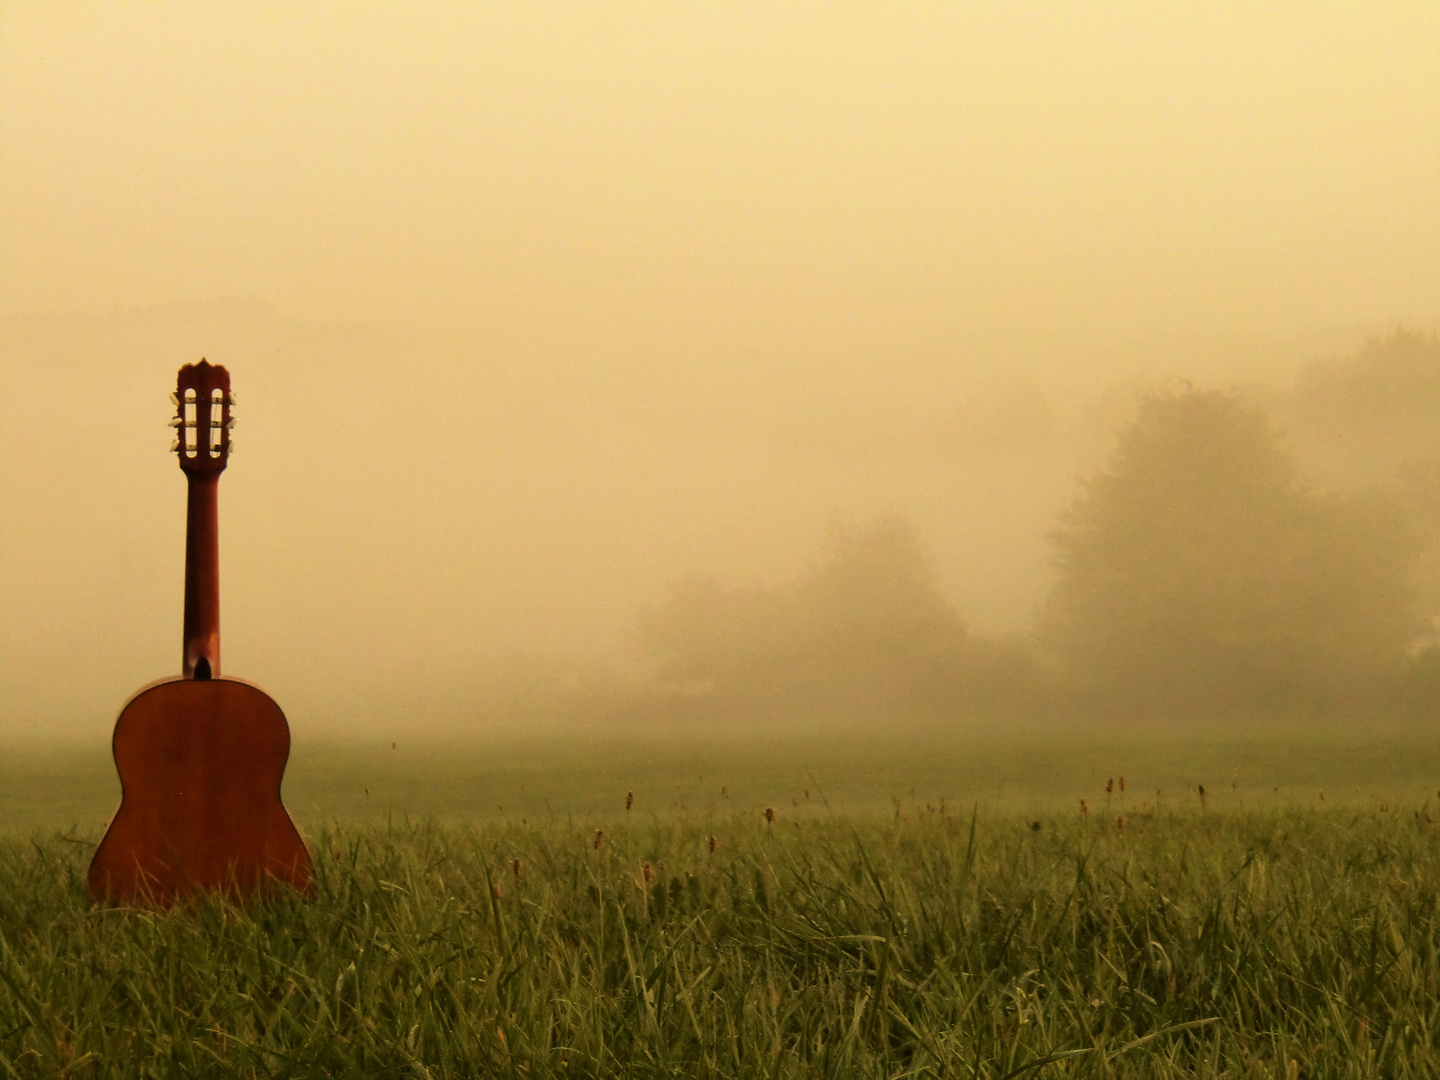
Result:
{"points": [[200, 764], [200, 757]]}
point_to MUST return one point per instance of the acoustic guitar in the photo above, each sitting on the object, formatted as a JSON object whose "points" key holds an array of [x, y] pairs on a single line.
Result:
{"points": [[200, 757]]}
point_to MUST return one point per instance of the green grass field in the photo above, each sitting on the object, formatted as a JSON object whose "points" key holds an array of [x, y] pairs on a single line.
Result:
{"points": [[586, 777], [937, 908]]}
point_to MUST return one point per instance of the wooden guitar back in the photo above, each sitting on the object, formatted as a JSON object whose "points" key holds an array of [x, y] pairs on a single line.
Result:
{"points": [[200, 764]]}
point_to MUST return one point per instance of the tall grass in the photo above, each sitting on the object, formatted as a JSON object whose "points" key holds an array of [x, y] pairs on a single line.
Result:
{"points": [[1292, 943]]}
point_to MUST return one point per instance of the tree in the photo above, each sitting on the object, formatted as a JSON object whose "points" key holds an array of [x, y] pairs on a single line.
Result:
{"points": [[1198, 575], [867, 629]]}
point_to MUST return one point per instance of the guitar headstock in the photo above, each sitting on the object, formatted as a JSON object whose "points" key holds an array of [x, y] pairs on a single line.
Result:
{"points": [[204, 415]]}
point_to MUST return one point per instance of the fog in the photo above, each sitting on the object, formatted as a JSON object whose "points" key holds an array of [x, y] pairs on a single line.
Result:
{"points": [[535, 311]]}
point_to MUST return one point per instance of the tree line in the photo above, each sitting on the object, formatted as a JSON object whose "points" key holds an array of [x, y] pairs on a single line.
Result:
{"points": [[1198, 575]]}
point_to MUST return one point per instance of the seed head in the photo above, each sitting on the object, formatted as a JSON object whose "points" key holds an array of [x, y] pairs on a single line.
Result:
{"points": [[769, 815], [648, 873], [711, 844], [1120, 822], [1122, 785], [599, 838], [1109, 785], [1035, 826], [629, 800], [515, 867], [1084, 807]]}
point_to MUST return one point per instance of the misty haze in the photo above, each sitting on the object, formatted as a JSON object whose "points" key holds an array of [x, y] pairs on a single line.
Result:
{"points": [[595, 394], [420, 543]]}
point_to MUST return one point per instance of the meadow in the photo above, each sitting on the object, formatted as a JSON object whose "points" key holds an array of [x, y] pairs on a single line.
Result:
{"points": [[910, 908]]}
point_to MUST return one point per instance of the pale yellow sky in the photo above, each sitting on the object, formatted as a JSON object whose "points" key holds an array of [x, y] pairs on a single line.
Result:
{"points": [[638, 289], [748, 173]]}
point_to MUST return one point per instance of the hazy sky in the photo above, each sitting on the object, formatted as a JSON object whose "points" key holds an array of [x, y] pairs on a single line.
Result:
{"points": [[552, 303]]}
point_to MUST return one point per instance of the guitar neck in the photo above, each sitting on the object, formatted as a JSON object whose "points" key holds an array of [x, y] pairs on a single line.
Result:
{"points": [[202, 578], [204, 414]]}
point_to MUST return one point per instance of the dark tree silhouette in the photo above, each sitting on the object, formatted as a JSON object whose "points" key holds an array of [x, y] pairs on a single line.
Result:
{"points": [[1198, 575]]}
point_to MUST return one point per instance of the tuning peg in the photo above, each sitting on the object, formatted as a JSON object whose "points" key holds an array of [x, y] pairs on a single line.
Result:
{"points": [[230, 423], [175, 446], [232, 399], [174, 400], [175, 422]]}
